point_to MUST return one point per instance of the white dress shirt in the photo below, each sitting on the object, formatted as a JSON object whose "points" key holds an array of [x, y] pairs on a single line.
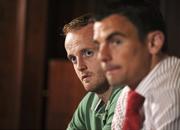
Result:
{"points": [[161, 89]]}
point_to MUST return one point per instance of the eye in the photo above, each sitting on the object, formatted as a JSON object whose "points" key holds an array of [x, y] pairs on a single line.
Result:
{"points": [[115, 41], [88, 53], [72, 59], [116, 38]]}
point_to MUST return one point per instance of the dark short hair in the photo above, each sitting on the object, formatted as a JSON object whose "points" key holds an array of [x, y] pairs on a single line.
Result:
{"points": [[78, 23], [145, 16]]}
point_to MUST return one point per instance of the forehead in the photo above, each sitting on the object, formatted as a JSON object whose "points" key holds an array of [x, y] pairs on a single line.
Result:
{"points": [[79, 39], [113, 23]]}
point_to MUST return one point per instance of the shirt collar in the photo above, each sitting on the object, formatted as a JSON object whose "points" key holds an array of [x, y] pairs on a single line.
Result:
{"points": [[146, 84], [98, 102]]}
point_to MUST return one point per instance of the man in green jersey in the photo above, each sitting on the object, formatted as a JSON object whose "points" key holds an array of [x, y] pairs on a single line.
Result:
{"points": [[96, 110]]}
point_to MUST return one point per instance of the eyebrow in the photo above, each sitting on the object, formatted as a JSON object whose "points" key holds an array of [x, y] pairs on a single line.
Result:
{"points": [[114, 34], [110, 36], [88, 49], [68, 56], [95, 42], [84, 50]]}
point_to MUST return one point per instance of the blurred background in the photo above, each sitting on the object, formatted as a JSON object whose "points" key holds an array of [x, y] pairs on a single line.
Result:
{"points": [[38, 86]]}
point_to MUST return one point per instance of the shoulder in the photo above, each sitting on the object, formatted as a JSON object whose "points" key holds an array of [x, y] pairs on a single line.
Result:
{"points": [[115, 94], [166, 75], [89, 96], [87, 100], [114, 98]]}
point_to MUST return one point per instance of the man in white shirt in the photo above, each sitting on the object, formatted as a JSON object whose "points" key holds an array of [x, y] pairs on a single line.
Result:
{"points": [[132, 44]]}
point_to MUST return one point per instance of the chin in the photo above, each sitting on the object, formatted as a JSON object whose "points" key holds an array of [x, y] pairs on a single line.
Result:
{"points": [[87, 87], [113, 82]]}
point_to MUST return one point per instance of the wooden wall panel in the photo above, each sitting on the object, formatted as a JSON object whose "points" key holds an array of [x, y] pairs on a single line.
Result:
{"points": [[65, 92], [33, 81], [12, 20], [22, 65]]}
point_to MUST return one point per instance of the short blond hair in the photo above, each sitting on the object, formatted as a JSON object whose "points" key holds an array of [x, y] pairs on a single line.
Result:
{"points": [[78, 23]]}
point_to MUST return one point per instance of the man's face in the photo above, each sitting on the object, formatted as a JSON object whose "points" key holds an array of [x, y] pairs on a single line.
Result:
{"points": [[83, 54], [123, 56]]}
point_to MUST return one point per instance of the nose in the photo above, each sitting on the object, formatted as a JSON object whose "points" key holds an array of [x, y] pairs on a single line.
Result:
{"points": [[104, 53], [81, 65]]}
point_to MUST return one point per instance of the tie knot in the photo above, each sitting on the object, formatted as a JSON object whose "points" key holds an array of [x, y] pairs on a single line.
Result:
{"points": [[135, 101]]}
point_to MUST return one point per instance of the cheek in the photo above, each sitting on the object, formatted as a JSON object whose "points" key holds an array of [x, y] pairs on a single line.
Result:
{"points": [[93, 62], [100, 71], [130, 53], [96, 68], [100, 75], [137, 60], [123, 54], [77, 72]]}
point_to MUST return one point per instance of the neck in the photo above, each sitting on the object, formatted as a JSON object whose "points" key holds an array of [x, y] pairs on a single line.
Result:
{"points": [[105, 96], [157, 59]]}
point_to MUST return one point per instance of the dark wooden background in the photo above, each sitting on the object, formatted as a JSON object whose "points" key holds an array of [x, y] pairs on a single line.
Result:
{"points": [[38, 87]]}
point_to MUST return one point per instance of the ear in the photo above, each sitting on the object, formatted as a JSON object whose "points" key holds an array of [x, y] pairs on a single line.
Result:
{"points": [[155, 41]]}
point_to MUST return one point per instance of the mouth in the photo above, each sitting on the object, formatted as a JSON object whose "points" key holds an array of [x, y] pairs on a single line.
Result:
{"points": [[85, 77], [111, 69]]}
